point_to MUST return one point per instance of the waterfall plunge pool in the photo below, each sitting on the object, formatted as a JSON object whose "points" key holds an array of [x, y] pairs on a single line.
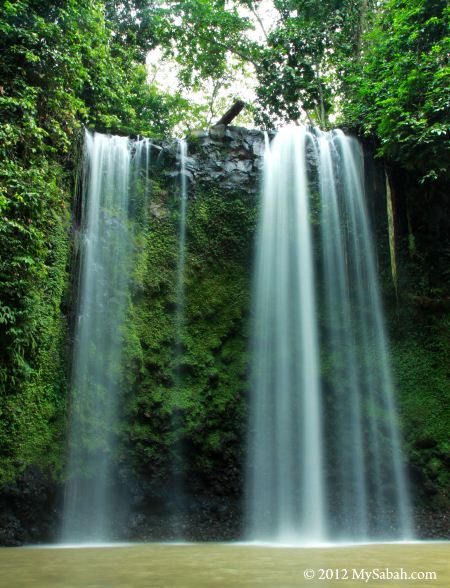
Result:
{"points": [[195, 565]]}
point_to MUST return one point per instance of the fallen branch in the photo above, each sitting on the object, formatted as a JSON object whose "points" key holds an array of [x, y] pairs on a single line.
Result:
{"points": [[231, 113]]}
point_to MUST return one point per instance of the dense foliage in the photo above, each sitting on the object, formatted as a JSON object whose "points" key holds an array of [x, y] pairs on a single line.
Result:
{"points": [[400, 90], [62, 65], [201, 385]]}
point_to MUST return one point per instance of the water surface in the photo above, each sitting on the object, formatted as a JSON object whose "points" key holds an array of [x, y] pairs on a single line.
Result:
{"points": [[214, 565]]}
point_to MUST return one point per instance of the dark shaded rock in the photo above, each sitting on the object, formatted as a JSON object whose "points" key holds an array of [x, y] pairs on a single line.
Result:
{"points": [[432, 524], [28, 510]]}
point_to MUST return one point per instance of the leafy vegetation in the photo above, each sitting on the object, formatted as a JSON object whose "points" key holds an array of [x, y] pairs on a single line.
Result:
{"points": [[63, 65], [399, 92], [380, 68], [293, 57]]}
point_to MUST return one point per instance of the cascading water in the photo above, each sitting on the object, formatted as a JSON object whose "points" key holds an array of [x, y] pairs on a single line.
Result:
{"points": [[178, 490], [324, 456], [373, 499], [182, 155], [285, 430], [112, 166]]}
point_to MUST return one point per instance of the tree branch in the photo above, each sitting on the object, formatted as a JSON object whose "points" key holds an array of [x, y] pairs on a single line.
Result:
{"points": [[231, 113], [249, 3]]}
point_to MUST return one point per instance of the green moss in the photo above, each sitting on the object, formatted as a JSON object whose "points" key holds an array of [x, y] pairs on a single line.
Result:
{"points": [[420, 362], [201, 388]]}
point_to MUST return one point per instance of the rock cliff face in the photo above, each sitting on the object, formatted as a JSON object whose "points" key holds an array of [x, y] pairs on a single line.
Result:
{"points": [[206, 449], [229, 158]]}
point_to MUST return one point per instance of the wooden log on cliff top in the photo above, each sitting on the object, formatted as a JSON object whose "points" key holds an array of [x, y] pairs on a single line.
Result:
{"points": [[231, 113]]}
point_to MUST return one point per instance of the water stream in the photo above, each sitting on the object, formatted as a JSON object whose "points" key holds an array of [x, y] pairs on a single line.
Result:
{"points": [[111, 169], [285, 429], [325, 458], [178, 466]]}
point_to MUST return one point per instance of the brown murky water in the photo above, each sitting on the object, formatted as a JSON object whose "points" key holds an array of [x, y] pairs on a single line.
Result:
{"points": [[224, 565]]}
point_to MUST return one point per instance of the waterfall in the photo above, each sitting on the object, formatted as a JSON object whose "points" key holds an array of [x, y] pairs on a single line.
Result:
{"points": [[178, 489], [285, 429], [373, 501], [324, 451], [112, 168], [182, 155]]}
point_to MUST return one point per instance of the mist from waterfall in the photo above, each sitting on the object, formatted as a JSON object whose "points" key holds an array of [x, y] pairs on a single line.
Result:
{"points": [[112, 168], [324, 449]]}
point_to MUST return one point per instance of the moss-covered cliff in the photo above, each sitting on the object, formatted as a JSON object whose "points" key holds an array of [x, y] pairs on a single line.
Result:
{"points": [[186, 401]]}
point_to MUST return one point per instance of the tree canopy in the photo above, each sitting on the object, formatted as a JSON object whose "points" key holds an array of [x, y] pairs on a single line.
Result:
{"points": [[379, 68], [399, 91]]}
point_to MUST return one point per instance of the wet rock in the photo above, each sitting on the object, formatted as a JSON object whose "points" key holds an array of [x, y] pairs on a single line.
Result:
{"points": [[198, 134], [258, 148], [245, 166]]}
